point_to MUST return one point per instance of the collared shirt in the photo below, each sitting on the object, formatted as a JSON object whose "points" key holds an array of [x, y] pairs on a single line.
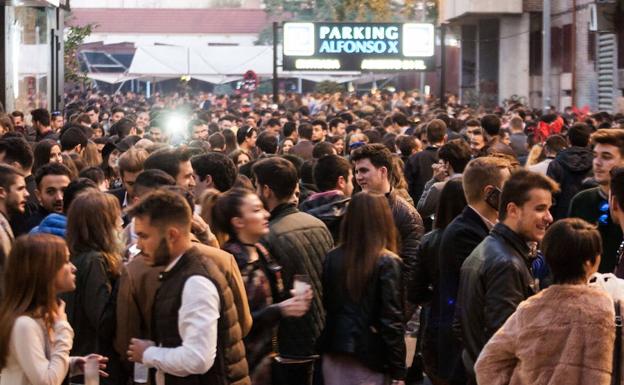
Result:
{"points": [[197, 323], [487, 222]]}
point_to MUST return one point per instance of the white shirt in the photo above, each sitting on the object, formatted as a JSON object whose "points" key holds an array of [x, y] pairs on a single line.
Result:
{"points": [[33, 358], [197, 324]]}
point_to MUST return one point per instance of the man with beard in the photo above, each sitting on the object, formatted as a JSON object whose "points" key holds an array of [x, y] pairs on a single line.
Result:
{"points": [[52, 179], [196, 334], [13, 195]]}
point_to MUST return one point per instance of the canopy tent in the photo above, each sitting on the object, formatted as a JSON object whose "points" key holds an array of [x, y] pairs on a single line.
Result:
{"points": [[220, 65], [110, 78]]}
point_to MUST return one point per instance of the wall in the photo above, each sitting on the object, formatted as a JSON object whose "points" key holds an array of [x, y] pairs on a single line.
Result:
{"points": [[451, 9], [514, 57]]}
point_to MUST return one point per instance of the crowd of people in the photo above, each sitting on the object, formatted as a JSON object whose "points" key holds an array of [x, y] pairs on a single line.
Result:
{"points": [[204, 239]]}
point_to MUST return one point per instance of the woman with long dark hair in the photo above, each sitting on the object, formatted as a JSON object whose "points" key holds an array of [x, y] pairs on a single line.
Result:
{"points": [[363, 340], [46, 151], [35, 337], [423, 282], [240, 215], [93, 227]]}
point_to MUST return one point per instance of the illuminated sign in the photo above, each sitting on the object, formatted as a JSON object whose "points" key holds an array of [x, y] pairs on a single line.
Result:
{"points": [[358, 47]]}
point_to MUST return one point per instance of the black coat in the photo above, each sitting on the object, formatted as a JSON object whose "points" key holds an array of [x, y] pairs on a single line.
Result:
{"points": [[495, 278], [460, 238], [569, 169], [371, 329], [418, 170], [91, 311]]}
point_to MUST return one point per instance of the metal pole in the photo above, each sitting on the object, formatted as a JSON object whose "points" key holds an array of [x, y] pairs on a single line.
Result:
{"points": [[546, 56], [442, 64], [275, 78]]}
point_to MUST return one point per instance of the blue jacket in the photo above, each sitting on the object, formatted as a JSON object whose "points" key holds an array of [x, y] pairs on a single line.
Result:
{"points": [[55, 224]]}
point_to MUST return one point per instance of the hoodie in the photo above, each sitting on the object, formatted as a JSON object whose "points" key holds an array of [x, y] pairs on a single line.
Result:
{"points": [[569, 169]]}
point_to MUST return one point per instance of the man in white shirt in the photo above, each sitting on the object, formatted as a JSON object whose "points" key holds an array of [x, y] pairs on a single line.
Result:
{"points": [[196, 336]]}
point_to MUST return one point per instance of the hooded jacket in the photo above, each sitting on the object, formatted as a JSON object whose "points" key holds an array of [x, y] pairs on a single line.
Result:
{"points": [[569, 168], [328, 206]]}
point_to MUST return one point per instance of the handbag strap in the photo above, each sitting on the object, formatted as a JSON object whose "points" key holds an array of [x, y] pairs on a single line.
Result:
{"points": [[617, 349]]}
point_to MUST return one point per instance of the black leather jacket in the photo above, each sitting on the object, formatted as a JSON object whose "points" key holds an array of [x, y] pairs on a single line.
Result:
{"points": [[371, 329], [495, 278]]}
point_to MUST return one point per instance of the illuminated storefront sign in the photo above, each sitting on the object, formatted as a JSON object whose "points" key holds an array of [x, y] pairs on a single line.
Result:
{"points": [[358, 46]]}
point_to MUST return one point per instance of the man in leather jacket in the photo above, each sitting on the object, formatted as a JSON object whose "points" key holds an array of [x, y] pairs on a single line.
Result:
{"points": [[497, 275]]}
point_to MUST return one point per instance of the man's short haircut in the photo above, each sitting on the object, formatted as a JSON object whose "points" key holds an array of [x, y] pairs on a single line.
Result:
{"points": [[154, 178], [473, 123], [516, 123], [400, 119], [75, 187], [117, 109], [406, 144], [518, 188], [219, 166], [335, 122], [457, 153], [289, 128], [243, 133], [436, 129], [278, 174], [480, 173], [167, 160], [17, 114], [52, 169], [163, 207], [8, 174], [555, 143], [322, 149], [93, 108], [195, 123], [95, 173], [132, 161], [319, 122], [41, 115], [567, 246], [328, 169], [16, 149], [305, 131], [579, 135], [267, 142], [377, 153], [72, 137], [491, 124], [216, 140], [612, 136], [122, 127], [272, 122]]}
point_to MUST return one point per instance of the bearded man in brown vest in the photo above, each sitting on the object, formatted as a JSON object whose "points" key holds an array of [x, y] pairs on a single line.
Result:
{"points": [[196, 334]]}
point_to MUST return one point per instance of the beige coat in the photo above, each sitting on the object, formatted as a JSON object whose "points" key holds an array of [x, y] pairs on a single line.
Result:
{"points": [[562, 336]]}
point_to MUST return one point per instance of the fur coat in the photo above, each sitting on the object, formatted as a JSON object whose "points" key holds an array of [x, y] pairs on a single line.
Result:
{"points": [[562, 336]]}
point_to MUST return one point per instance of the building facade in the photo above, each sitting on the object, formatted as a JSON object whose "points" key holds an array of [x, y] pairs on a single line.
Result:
{"points": [[31, 54], [501, 52]]}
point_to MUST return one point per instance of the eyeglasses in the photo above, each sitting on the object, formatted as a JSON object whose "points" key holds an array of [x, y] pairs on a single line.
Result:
{"points": [[603, 219]]}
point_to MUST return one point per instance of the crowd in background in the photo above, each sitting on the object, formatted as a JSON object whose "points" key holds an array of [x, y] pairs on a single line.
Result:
{"points": [[206, 239]]}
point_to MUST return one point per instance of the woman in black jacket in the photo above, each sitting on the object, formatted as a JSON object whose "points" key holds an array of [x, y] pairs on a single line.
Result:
{"points": [[240, 216], [93, 227], [363, 340]]}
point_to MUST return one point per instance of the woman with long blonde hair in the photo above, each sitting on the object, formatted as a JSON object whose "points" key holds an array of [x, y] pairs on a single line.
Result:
{"points": [[35, 337], [94, 226]]}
